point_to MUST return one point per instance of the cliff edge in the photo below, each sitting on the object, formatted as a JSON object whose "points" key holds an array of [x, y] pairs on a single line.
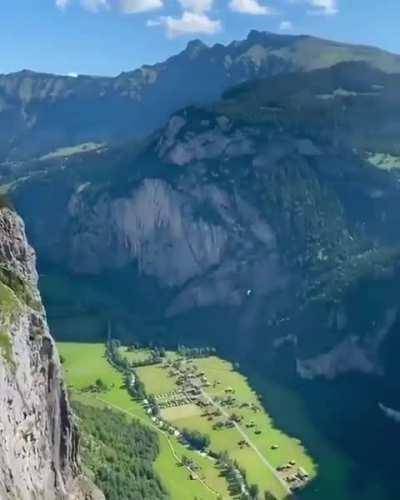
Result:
{"points": [[39, 442]]}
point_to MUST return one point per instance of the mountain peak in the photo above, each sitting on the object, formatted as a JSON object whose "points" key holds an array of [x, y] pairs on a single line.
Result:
{"points": [[270, 38], [194, 47]]}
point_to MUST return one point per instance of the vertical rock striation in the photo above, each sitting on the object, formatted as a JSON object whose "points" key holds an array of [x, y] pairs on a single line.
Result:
{"points": [[39, 442]]}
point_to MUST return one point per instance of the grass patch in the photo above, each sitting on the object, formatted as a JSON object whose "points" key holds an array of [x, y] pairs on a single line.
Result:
{"points": [[155, 380], [6, 347], [9, 307], [20, 287]]}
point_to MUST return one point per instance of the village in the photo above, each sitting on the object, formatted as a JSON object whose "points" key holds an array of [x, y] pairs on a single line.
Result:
{"points": [[200, 401]]}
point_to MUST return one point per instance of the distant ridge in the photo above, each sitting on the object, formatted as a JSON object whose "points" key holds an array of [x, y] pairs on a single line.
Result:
{"points": [[41, 112]]}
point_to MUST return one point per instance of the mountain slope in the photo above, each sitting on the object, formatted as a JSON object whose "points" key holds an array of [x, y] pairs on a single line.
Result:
{"points": [[269, 202], [40, 113], [39, 454]]}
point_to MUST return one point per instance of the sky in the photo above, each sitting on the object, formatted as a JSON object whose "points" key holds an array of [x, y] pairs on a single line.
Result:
{"points": [[106, 37]]}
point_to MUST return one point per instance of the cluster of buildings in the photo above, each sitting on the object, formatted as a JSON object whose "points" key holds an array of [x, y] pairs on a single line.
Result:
{"points": [[296, 477]]}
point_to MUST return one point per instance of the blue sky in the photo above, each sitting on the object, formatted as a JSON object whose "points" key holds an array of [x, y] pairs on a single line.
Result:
{"points": [[109, 36]]}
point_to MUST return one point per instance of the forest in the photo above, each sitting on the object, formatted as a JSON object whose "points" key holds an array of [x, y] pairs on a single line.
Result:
{"points": [[120, 453]]}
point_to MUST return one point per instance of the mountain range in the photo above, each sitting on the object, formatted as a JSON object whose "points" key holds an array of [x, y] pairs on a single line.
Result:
{"points": [[40, 113], [242, 196]]}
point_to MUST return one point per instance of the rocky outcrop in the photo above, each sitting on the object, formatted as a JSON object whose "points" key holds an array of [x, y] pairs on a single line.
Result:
{"points": [[39, 442], [352, 354], [204, 241]]}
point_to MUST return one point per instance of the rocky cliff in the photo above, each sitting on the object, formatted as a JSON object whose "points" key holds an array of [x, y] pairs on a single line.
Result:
{"points": [[39, 441]]}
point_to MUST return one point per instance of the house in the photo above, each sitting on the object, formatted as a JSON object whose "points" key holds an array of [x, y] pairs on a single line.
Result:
{"points": [[302, 474]]}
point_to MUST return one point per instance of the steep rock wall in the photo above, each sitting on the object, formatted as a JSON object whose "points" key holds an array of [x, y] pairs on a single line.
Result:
{"points": [[39, 441]]}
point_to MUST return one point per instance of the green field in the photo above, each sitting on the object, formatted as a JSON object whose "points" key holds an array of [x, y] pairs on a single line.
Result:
{"points": [[83, 365], [265, 448], [155, 379]]}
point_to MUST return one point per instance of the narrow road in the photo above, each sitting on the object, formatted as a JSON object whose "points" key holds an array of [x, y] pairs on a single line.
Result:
{"points": [[172, 449], [249, 442]]}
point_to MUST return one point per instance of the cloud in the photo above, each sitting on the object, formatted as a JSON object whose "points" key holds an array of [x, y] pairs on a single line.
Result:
{"points": [[286, 26], [62, 4], [198, 6], [189, 23], [72, 74], [135, 6], [90, 5], [325, 7], [250, 7], [124, 6]]}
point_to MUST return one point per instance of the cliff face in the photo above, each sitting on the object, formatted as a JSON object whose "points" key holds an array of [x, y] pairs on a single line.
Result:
{"points": [[39, 442]]}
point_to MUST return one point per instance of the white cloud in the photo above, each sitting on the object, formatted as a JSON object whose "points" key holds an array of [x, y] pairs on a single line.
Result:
{"points": [[250, 7], [190, 23], [91, 5], [125, 6], [286, 26], [198, 6], [72, 74], [62, 4], [326, 7], [135, 6]]}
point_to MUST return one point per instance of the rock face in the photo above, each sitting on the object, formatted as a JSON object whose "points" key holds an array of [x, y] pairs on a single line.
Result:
{"points": [[39, 441], [40, 112]]}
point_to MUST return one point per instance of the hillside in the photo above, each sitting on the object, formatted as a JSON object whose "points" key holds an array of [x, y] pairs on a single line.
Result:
{"points": [[40, 113], [273, 189]]}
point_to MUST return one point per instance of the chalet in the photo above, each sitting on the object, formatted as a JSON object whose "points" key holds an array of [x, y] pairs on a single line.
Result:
{"points": [[302, 474]]}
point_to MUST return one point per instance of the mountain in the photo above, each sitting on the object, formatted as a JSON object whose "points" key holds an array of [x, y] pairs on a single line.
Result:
{"points": [[278, 203], [39, 441], [41, 113]]}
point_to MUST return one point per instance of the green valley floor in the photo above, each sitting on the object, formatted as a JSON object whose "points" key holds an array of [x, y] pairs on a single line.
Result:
{"points": [[186, 396]]}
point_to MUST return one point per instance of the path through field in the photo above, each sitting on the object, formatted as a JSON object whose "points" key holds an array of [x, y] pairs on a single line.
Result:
{"points": [[250, 442]]}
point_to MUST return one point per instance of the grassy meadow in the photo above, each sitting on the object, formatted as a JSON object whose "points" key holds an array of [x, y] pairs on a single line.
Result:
{"points": [[83, 364], [86, 363]]}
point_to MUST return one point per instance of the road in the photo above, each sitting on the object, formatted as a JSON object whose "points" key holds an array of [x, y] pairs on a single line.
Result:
{"points": [[249, 442]]}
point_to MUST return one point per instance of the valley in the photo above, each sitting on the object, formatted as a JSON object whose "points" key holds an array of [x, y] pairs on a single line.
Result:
{"points": [[204, 397], [242, 196]]}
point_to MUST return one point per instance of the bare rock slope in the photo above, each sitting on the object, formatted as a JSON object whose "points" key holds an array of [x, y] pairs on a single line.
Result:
{"points": [[39, 442]]}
